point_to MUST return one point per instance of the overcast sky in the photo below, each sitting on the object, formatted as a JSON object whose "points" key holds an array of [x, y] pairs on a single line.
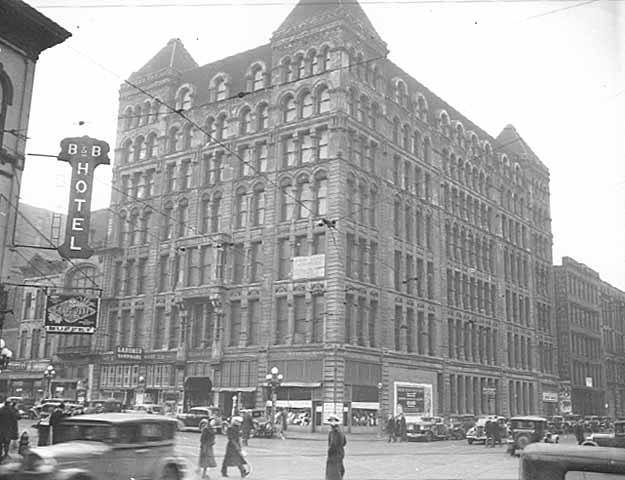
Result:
{"points": [[553, 69]]}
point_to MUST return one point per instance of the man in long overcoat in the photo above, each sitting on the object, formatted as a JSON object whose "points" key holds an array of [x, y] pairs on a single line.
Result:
{"points": [[247, 425], [336, 450], [390, 428], [579, 432], [6, 419], [234, 456]]}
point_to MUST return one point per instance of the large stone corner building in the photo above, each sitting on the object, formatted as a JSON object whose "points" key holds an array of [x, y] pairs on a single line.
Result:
{"points": [[308, 205]]}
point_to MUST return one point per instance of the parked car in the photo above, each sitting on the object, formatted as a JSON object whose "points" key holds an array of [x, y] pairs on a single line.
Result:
{"points": [[526, 430], [109, 405], [459, 425], [198, 417], [477, 433], [616, 439], [261, 424], [553, 462], [427, 430], [108, 446]]}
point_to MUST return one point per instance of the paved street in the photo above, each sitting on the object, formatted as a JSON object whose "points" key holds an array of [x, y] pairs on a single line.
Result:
{"points": [[367, 458]]}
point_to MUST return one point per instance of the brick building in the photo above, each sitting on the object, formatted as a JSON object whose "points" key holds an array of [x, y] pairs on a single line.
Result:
{"points": [[613, 338], [317, 209], [578, 300]]}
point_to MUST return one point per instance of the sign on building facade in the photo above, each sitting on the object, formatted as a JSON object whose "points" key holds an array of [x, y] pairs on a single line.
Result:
{"points": [[71, 313], [312, 266], [129, 353], [413, 400], [84, 154]]}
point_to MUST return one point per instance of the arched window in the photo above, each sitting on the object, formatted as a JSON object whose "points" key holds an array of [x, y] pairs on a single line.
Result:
{"points": [[156, 109], [133, 228], [323, 99], [397, 217], [187, 136], [360, 66], [375, 111], [245, 121], [136, 116], [286, 201], [400, 93], [23, 343], [287, 70], [127, 115], [35, 342], [126, 151], [240, 208], [289, 111], [221, 127], [351, 197], [258, 205], [220, 89], [313, 62], [363, 110], [353, 102], [373, 198], [444, 124], [122, 229], [422, 108], [215, 212], [146, 116], [262, 116], [300, 65], [406, 138], [172, 139], [183, 217], [426, 150], [145, 226], [321, 194], [304, 197], [150, 145], [306, 103], [258, 78], [324, 59], [363, 202], [168, 221], [416, 144], [205, 214], [184, 100], [396, 131]]}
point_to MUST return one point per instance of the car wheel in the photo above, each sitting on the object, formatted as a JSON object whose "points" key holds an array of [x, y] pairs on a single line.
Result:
{"points": [[589, 443], [170, 472], [523, 441], [429, 437], [470, 441]]}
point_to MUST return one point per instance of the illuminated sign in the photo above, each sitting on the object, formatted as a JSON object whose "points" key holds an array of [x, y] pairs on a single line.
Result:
{"points": [[71, 314], [84, 154]]}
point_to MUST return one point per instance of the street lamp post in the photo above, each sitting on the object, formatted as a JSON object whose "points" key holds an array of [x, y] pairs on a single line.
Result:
{"points": [[49, 374], [274, 379], [380, 412]]}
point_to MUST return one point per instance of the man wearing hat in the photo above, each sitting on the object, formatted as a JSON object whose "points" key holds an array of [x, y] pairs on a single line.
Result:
{"points": [[336, 450], [234, 453]]}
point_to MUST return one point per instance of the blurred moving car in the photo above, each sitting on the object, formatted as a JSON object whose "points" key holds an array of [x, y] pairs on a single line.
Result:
{"points": [[427, 429], [108, 446], [553, 462], [616, 439], [198, 417], [527, 429], [109, 405]]}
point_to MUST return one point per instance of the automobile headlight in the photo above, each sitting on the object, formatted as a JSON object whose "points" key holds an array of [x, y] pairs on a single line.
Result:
{"points": [[37, 463]]}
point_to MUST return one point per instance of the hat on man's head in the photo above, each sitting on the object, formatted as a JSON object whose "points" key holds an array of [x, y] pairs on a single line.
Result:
{"points": [[333, 420]]}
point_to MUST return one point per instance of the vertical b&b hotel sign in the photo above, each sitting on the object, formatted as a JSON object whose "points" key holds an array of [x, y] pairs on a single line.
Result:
{"points": [[84, 154]]}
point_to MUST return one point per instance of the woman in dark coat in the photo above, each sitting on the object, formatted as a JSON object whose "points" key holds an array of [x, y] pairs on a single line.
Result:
{"points": [[336, 450], [207, 456], [234, 456]]}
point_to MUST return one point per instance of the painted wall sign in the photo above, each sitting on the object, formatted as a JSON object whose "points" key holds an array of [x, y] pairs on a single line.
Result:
{"points": [[129, 353], [71, 314], [84, 154], [414, 400]]}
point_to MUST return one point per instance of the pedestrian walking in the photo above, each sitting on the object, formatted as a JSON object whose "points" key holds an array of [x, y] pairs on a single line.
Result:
{"points": [[246, 428], [397, 428], [390, 428], [234, 456], [335, 470], [280, 424], [6, 418], [579, 432], [13, 424], [24, 444], [55, 418], [403, 431], [207, 455]]}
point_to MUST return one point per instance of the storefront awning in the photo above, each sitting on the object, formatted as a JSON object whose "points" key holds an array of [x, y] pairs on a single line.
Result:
{"points": [[198, 384], [234, 389], [301, 384]]}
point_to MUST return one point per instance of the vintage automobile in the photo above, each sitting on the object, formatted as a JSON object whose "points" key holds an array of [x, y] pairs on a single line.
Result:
{"points": [[477, 433], [261, 424], [151, 408], [552, 462], [427, 429], [199, 417], [526, 430], [106, 446], [616, 439], [459, 425], [108, 405]]}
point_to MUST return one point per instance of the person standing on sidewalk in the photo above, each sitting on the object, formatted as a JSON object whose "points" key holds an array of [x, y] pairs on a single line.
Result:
{"points": [[390, 428], [335, 470]]}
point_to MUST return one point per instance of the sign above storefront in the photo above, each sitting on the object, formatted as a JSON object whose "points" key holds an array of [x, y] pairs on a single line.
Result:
{"points": [[71, 314], [413, 400], [84, 154], [550, 397], [129, 353]]}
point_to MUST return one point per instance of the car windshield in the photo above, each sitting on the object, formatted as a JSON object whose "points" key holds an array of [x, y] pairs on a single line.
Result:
{"points": [[98, 432]]}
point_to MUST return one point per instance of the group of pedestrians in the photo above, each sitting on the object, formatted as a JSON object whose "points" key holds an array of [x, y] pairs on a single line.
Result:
{"points": [[234, 456], [396, 428]]}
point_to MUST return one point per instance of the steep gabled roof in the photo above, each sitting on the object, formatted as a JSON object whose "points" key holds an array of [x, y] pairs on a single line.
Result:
{"points": [[510, 141], [308, 13], [172, 56]]}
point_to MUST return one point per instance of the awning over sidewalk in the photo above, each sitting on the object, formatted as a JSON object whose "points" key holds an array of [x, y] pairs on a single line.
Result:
{"points": [[234, 389]]}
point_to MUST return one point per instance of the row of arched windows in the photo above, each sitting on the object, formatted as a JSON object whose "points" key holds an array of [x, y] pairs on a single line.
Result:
{"points": [[249, 206], [365, 111], [410, 222], [304, 196], [305, 104], [469, 248], [303, 65], [516, 268], [416, 105], [463, 205], [142, 114], [466, 174], [512, 202], [365, 69], [362, 200], [410, 141], [514, 231]]}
